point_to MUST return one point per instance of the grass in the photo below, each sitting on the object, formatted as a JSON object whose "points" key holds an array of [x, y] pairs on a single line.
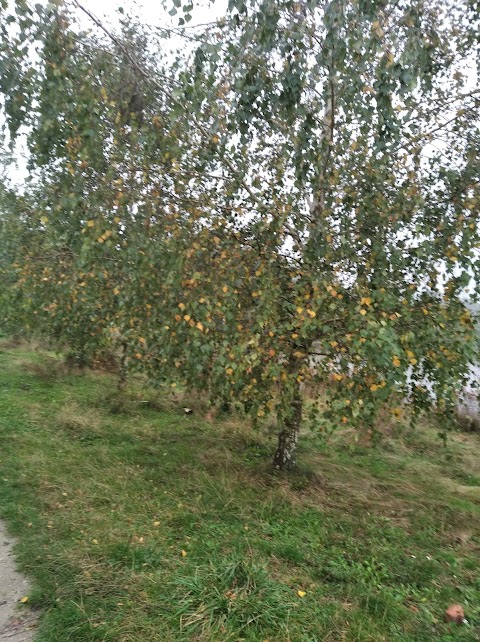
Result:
{"points": [[137, 522]]}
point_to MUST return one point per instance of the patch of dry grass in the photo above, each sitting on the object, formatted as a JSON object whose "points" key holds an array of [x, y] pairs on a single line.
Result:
{"points": [[48, 369], [79, 419]]}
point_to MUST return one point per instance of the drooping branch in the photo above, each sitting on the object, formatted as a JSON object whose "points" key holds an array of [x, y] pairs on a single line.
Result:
{"points": [[144, 73]]}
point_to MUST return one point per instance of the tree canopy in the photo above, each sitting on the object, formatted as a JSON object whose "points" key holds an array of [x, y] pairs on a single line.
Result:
{"points": [[287, 198]]}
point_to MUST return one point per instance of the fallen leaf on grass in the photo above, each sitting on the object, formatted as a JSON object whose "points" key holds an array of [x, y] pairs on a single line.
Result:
{"points": [[455, 613]]}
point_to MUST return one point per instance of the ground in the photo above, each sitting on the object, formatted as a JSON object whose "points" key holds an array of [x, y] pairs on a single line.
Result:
{"points": [[137, 522], [15, 626]]}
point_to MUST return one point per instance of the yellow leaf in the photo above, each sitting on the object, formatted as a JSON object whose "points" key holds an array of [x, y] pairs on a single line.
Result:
{"points": [[337, 376], [294, 335], [90, 223], [334, 344], [396, 361], [184, 553], [229, 371], [363, 312], [344, 419], [200, 326], [156, 524], [116, 291], [94, 541], [187, 317], [225, 289], [311, 313], [141, 339], [260, 412], [181, 306], [374, 387], [44, 219], [366, 300], [138, 355], [299, 310], [24, 599], [301, 593], [377, 29]]}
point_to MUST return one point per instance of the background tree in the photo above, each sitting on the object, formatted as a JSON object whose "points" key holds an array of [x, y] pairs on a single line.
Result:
{"points": [[301, 182]]}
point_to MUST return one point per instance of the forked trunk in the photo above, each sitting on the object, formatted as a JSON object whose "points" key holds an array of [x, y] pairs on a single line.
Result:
{"points": [[285, 456]]}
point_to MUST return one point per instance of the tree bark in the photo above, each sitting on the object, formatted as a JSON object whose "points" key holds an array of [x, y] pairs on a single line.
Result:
{"points": [[122, 375], [285, 455]]}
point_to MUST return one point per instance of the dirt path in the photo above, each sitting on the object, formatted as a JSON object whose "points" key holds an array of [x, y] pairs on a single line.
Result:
{"points": [[16, 624]]}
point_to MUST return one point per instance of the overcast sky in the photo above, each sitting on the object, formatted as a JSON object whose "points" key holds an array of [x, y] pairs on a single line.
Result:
{"points": [[153, 11]]}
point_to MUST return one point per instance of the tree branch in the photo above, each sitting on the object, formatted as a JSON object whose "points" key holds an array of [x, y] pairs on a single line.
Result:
{"points": [[143, 72]]}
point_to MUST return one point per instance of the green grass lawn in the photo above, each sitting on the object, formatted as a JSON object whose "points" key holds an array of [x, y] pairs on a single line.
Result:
{"points": [[136, 522]]}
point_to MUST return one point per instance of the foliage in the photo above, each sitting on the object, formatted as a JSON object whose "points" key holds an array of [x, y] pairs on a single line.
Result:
{"points": [[299, 180]]}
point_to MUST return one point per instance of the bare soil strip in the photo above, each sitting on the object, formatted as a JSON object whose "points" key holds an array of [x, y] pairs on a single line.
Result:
{"points": [[16, 624]]}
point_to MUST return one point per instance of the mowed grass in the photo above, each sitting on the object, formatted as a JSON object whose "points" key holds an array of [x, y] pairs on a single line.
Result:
{"points": [[137, 522]]}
